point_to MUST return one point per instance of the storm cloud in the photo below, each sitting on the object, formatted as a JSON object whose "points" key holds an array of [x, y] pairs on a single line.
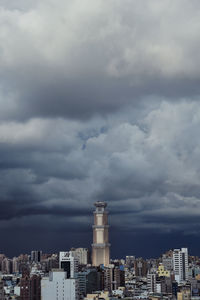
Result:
{"points": [[99, 100]]}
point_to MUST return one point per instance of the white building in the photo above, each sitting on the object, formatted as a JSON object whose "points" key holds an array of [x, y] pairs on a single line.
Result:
{"points": [[58, 287], [151, 283], [68, 263], [16, 290], [180, 264]]}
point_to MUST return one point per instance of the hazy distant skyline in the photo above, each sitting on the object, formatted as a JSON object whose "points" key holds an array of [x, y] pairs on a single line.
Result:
{"points": [[99, 100]]}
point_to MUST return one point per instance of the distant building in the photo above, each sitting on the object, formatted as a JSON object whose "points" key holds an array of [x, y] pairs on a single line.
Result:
{"points": [[68, 263], [35, 287], [36, 256], [151, 283], [15, 265], [98, 296], [184, 294], [130, 260], [167, 262], [162, 272], [89, 281], [180, 264], [30, 287], [81, 254], [6, 266], [2, 295], [58, 287], [174, 288], [195, 287], [140, 267], [25, 287], [113, 278], [100, 246]]}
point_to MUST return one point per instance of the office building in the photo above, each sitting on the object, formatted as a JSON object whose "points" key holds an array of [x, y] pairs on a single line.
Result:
{"points": [[35, 287], [88, 281], [113, 278], [58, 287], [151, 282], [100, 246], [130, 260], [15, 265], [69, 263], [25, 287], [180, 264], [30, 287], [167, 262], [6, 266], [140, 267], [36, 256], [81, 254]]}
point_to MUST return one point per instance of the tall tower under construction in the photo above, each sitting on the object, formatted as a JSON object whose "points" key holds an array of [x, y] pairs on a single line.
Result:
{"points": [[100, 246]]}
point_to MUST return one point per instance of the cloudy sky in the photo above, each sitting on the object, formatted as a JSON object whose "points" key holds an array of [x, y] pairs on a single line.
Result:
{"points": [[99, 100]]}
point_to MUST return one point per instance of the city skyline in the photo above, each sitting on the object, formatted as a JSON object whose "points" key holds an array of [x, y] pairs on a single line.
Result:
{"points": [[99, 101], [69, 275], [99, 250]]}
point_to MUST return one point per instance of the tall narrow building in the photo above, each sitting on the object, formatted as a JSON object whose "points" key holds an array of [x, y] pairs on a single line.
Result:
{"points": [[100, 246], [180, 264]]}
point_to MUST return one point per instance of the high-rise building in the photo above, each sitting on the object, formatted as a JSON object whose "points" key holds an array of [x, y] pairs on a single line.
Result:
{"points": [[58, 287], [130, 260], [25, 287], [69, 263], [36, 256], [180, 264], [15, 265], [30, 287], [100, 246], [88, 281], [81, 254], [140, 266], [167, 262], [6, 266], [151, 282], [113, 278], [35, 287]]}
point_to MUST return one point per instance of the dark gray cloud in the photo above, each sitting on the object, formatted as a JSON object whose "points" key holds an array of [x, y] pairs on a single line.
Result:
{"points": [[99, 101], [74, 60], [144, 164]]}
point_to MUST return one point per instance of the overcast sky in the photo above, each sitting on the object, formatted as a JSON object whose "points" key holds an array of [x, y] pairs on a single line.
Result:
{"points": [[99, 100]]}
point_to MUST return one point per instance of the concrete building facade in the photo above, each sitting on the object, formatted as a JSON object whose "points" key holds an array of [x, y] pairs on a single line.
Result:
{"points": [[58, 287], [68, 263], [81, 254], [100, 246], [180, 264]]}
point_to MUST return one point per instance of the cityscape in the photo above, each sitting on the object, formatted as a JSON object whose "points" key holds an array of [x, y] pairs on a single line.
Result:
{"points": [[90, 274], [99, 149]]}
